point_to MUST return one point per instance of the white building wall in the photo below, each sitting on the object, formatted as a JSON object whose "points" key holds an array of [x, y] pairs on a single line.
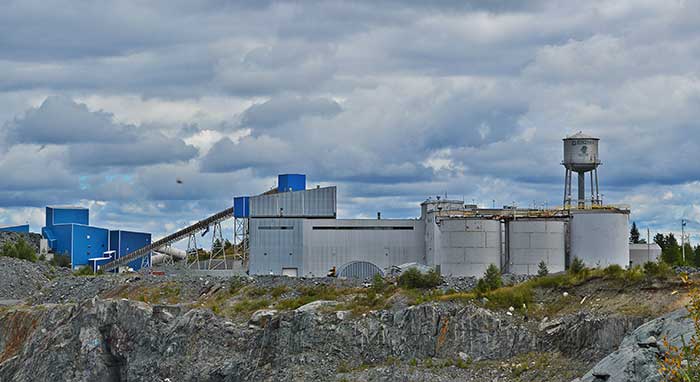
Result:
{"points": [[275, 245], [533, 241], [465, 246], [600, 238], [336, 242], [643, 253]]}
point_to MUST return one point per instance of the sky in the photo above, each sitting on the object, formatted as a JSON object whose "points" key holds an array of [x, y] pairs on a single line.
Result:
{"points": [[107, 104]]}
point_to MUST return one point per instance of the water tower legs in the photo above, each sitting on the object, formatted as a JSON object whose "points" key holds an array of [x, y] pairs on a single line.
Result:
{"points": [[581, 190]]}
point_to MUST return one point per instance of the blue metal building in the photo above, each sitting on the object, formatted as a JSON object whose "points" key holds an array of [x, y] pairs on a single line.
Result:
{"points": [[291, 182], [17, 228], [125, 242], [68, 233]]}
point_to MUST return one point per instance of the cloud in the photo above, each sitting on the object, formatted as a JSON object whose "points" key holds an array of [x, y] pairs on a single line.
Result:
{"points": [[392, 101]]}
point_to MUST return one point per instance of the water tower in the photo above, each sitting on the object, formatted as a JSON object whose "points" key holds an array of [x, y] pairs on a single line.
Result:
{"points": [[581, 157]]}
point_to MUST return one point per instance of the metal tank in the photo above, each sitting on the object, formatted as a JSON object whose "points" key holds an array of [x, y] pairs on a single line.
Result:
{"points": [[581, 153], [581, 156], [600, 238], [467, 246], [531, 241]]}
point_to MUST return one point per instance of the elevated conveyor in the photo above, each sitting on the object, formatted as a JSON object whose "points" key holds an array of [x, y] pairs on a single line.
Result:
{"points": [[175, 237]]}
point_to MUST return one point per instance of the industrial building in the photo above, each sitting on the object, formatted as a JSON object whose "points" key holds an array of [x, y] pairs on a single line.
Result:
{"points": [[68, 232], [294, 231], [16, 228]]}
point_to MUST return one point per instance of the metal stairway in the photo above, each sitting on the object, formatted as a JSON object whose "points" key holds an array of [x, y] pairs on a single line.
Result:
{"points": [[172, 238]]}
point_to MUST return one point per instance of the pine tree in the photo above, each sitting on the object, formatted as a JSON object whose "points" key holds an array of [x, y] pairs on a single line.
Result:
{"points": [[542, 269], [671, 250], [634, 234]]}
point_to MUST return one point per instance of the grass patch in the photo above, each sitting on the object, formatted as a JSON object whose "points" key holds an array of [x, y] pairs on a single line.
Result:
{"points": [[309, 294]]}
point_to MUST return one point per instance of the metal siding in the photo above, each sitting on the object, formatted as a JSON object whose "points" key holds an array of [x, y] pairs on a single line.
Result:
{"points": [[466, 247], [270, 249], [63, 239], [16, 228], [641, 253], [534, 241], [291, 182], [326, 248], [69, 216], [88, 242], [318, 202], [600, 238], [128, 242], [241, 206]]}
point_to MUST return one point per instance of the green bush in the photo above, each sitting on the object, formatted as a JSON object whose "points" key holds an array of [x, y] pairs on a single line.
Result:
{"points": [[19, 250], [577, 266], [60, 261], [613, 271], [542, 269], [491, 280], [658, 270], [378, 283], [516, 296], [415, 279], [83, 271]]}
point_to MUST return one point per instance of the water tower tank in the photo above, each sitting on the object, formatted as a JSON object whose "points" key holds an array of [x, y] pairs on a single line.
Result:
{"points": [[581, 152]]}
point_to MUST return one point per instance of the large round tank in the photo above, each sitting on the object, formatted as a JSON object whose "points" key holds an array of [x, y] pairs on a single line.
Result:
{"points": [[468, 246], [599, 238], [581, 153], [531, 241]]}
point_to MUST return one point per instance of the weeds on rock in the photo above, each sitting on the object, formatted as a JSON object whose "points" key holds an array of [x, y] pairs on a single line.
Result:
{"points": [[19, 250], [682, 363]]}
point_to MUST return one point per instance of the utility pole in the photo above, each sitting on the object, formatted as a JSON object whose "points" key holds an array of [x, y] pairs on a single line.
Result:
{"points": [[683, 222], [648, 245]]}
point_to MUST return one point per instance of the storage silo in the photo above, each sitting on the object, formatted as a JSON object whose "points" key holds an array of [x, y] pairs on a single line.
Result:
{"points": [[599, 237], [468, 246], [531, 241]]}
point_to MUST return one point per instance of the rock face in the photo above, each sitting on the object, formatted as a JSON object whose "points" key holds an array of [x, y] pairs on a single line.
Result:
{"points": [[123, 340], [32, 239], [20, 278], [637, 358]]}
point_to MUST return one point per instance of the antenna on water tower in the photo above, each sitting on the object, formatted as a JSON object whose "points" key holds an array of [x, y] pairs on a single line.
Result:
{"points": [[581, 156]]}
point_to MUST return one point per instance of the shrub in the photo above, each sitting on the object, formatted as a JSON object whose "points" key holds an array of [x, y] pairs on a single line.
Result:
{"points": [[491, 280], [415, 279], [84, 271], [613, 271], [542, 269], [577, 266], [378, 283], [60, 261], [659, 270], [515, 296], [19, 250]]}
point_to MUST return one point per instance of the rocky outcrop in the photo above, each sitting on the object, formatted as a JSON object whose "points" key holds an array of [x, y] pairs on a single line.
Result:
{"points": [[637, 358], [120, 340]]}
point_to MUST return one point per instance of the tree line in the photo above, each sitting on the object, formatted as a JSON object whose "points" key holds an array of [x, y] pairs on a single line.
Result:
{"points": [[671, 250]]}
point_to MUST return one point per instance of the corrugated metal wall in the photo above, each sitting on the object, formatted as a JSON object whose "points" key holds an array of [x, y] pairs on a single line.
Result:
{"points": [[331, 242], [275, 244], [319, 202]]}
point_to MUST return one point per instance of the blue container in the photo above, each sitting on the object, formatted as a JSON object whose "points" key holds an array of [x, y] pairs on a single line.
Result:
{"points": [[16, 228], [67, 215], [241, 206], [126, 242], [291, 182]]}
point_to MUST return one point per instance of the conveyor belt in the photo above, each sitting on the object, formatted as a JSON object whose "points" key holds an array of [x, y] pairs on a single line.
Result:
{"points": [[177, 236]]}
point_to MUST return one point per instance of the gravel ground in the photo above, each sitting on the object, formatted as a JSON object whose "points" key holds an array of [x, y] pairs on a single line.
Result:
{"points": [[20, 278]]}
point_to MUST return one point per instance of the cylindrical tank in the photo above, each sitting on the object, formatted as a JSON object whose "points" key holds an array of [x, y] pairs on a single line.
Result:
{"points": [[531, 241], [468, 246], [581, 153], [599, 238]]}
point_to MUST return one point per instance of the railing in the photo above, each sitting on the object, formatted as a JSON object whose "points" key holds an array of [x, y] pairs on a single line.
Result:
{"points": [[177, 236]]}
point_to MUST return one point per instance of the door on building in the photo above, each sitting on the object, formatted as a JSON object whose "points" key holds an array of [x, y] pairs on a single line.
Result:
{"points": [[290, 272]]}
